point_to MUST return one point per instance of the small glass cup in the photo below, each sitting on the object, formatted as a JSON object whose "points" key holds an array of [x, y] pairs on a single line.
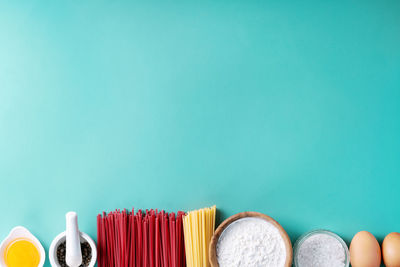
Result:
{"points": [[307, 235]]}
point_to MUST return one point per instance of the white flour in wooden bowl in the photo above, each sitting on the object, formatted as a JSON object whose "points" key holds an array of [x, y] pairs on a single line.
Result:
{"points": [[251, 242]]}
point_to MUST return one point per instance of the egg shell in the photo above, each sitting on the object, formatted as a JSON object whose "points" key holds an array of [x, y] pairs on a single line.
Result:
{"points": [[391, 250], [365, 250]]}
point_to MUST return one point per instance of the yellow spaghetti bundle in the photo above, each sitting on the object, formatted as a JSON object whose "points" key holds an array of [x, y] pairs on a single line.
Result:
{"points": [[198, 227]]}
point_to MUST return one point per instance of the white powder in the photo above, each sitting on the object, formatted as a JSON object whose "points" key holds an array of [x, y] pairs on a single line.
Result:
{"points": [[251, 242], [322, 250]]}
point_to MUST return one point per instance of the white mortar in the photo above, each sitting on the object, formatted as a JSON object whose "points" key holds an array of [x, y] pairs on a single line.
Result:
{"points": [[61, 238]]}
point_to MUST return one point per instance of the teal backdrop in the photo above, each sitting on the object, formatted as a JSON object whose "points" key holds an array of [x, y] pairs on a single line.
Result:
{"points": [[290, 108]]}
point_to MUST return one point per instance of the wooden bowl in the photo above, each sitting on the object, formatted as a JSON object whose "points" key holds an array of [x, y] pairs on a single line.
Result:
{"points": [[224, 224]]}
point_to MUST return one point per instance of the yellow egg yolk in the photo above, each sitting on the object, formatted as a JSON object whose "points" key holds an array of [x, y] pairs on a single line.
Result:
{"points": [[22, 253]]}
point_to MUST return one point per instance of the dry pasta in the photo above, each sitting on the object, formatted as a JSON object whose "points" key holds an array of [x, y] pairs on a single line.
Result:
{"points": [[198, 227]]}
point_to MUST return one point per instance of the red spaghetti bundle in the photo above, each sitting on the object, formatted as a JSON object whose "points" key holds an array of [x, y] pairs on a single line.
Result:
{"points": [[144, 239]]}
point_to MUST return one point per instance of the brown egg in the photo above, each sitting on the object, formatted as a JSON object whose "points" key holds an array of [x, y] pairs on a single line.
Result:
{"points": [[365, 250], [391, 250]]}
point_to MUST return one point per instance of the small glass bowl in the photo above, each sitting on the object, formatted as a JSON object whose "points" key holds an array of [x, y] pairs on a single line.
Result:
{"points": [[304, 237]]}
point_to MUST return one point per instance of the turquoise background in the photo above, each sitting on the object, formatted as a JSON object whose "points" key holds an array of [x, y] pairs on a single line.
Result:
{"points": [[290, 108]]}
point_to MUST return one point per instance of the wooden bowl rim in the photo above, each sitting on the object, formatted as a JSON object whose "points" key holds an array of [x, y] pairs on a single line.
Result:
{"points": [[214, 240]]}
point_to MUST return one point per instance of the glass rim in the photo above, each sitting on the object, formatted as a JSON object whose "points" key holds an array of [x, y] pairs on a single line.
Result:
{"points": [[306, 235]]}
